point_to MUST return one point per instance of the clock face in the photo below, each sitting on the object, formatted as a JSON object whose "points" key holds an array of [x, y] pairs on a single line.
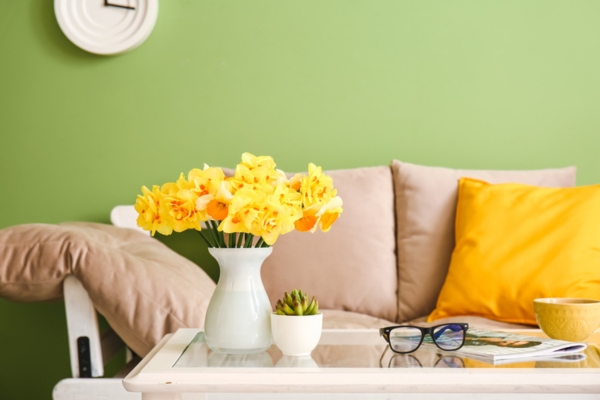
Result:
{"points": [[106, 26]]}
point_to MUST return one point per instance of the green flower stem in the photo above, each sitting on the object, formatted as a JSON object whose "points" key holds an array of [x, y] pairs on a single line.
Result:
{"points": [[214, 236], [221, 235], [249, 238], [240, 239], [260, 242], [205, 239], [218, 235], [232, 239]]}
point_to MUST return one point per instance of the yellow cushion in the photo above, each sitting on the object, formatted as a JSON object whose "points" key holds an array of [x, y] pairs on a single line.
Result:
{"points": [[516, 243]]}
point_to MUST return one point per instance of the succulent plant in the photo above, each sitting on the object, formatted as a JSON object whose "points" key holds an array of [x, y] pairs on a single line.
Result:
{"points": [[296, 303]]}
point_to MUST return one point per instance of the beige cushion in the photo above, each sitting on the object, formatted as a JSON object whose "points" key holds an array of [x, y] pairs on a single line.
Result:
{"points": [[353, 266], [426, 200], [474, 322], [142, 288], [337, 319]]}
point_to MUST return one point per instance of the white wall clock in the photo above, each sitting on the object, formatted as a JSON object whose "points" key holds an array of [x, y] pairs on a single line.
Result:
{"points": [[106, 26]]}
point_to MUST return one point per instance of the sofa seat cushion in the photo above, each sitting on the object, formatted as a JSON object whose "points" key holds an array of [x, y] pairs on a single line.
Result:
{"points": [[338, 319], [475, 322], [426, 199], [143, 289]]}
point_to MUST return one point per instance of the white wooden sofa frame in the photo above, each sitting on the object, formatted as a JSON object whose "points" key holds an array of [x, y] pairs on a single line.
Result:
{"points": [[89, 350]]}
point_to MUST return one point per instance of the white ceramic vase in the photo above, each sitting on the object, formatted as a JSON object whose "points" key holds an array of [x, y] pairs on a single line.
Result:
{"points": [[237, 320], [296, 335]]}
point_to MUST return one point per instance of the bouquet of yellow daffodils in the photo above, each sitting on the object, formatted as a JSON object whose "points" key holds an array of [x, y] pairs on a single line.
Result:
{"points": [[257, 201]]}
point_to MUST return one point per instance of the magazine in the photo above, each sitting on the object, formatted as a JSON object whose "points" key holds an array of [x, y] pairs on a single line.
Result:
{"points": [[565, 359], [500, 347]]}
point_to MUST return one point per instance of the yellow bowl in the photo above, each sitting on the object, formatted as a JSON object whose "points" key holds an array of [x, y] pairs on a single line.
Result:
{"points": [[567, 319]]}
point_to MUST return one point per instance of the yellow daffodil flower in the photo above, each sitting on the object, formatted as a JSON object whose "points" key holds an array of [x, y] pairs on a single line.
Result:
{"points": [[320, 216], [316, 188], [252, 162], [181, 208], [308, 221], [330, 213], [244, 210], [205, 181], [296, 182], [257, 173], [148, 205], [279, 212], [215, 205], [259, 200]]}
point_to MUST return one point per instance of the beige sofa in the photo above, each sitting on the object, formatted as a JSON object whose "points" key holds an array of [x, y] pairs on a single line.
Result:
{"points": [[388, 254], [383, 262]]}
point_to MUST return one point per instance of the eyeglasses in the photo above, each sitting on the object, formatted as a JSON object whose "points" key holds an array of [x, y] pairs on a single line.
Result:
{"points": [[406, 338]]}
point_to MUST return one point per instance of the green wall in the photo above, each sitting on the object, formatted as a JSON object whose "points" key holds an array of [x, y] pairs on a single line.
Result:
{"points": [[342, 83]]}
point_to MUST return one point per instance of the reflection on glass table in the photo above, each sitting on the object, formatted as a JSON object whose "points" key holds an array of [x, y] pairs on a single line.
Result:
{"points": [[363, 351], [431, 358], [296, 362], [366, 350], [411, 361]]}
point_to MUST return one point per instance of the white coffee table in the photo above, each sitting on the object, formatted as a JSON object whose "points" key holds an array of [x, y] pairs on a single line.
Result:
{"points": [[350, 364]]}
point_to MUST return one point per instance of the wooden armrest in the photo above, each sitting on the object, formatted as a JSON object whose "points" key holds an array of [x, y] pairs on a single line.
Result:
{"points": [[82, 326]]}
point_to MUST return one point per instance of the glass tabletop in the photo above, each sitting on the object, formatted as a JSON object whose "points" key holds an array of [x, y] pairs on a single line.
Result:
{"points": [[366, 349]]}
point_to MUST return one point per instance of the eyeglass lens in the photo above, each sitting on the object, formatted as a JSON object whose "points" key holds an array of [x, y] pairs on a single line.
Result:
{"points": [[449, 337], [405, 339]]}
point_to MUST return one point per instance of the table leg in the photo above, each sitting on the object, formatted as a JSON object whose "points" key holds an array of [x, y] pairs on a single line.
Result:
{"points": [[161, 396]]}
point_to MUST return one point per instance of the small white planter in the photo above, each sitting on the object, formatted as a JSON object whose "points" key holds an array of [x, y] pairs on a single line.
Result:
{"points": [[296, 335]]}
